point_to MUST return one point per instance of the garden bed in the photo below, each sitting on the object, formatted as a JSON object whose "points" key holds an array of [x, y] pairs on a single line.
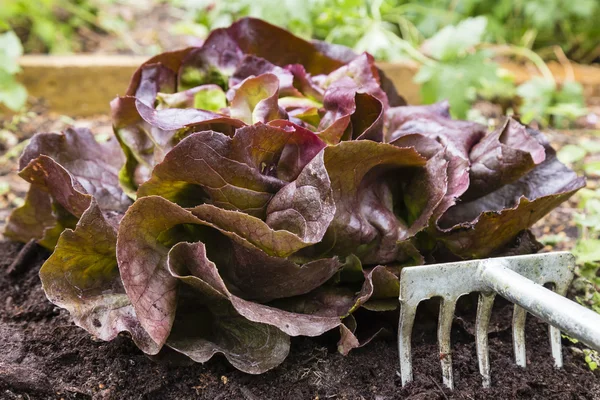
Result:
{"points": [[44, 356]]}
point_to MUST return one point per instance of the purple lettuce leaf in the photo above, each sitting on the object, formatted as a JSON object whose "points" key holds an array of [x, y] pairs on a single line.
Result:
{"points": [[304, 206], [304, 83], [255, 100], [141, 143], [497, 181], [479, 227], [386, 289], [350, 115], [251, 66], [146, 134], [378, 285], [36, 219], [250, 47], [242, 330], [433, 134], [95, 166], [200, 332], [82, 276], [279, 46], [65, 171], [364, 74], [354, 103], [242, 172], [330, 301], [152, 225], [380, 292], [174, 120], [383, 195], [259, 276], [206, 97], [501, 157], [212, 63], [158, 74], [345, 55], [246, 229]]}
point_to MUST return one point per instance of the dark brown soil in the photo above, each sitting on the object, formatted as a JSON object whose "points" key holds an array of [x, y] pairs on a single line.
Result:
{"points": [[44, 356]]}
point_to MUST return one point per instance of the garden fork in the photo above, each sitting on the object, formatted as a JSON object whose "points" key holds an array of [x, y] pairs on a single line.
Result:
{"points": [[519, 279]]}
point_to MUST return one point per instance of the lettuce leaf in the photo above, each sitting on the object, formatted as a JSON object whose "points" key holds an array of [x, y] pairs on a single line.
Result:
{"points": [[261, 186]]}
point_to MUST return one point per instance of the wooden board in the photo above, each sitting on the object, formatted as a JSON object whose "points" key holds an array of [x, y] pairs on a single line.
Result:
{"points": [[83, 85]]}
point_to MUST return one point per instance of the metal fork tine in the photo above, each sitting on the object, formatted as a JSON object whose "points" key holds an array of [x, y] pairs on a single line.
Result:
{"points": [[554, 333], [407, 318], [555, 345], [519, 318], [520, 280], [444, 330], [484, 312]]}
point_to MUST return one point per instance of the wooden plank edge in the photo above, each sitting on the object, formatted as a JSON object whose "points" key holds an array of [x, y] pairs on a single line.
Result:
{"points": [[84, 85]]}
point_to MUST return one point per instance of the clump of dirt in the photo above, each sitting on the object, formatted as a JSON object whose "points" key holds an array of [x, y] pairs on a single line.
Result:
{"points": [[44, 356]]}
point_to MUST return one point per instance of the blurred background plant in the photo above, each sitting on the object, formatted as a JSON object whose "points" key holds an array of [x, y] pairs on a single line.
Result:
{"points": [[12, 94], [64, 26], [49, 25]]}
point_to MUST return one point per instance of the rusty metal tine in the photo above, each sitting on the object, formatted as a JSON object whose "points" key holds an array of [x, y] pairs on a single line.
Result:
{"points": [[407, 318], [484, 312], [447, 308], [518, 331]]}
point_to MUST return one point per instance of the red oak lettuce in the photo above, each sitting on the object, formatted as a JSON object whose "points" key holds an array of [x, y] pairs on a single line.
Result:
{"points": [[260, 187]]}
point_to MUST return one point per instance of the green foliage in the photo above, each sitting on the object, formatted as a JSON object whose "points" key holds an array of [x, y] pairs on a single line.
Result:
{"points": [[587, 248], [452, 42], [48, 25], [592, 357], [537, 24], [543, 99], [456, 81], [571, 153], [12, 94], [460, 70]]}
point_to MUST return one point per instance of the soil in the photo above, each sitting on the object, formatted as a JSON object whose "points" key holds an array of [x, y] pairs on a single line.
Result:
{"points": [[44, 356]]}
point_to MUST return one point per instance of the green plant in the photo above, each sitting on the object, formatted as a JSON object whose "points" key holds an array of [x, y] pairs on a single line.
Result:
{"points": [[592, 358], [456, 70], [12, 94], [587, 249], [49, 25], [536, 24], [549, 103]]}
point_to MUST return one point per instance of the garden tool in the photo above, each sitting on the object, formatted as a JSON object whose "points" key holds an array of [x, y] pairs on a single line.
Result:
{"points": [[520, 280]]}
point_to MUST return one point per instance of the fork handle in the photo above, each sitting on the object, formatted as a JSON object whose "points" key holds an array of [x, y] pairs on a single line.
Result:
{"points": [[577, 321]]}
